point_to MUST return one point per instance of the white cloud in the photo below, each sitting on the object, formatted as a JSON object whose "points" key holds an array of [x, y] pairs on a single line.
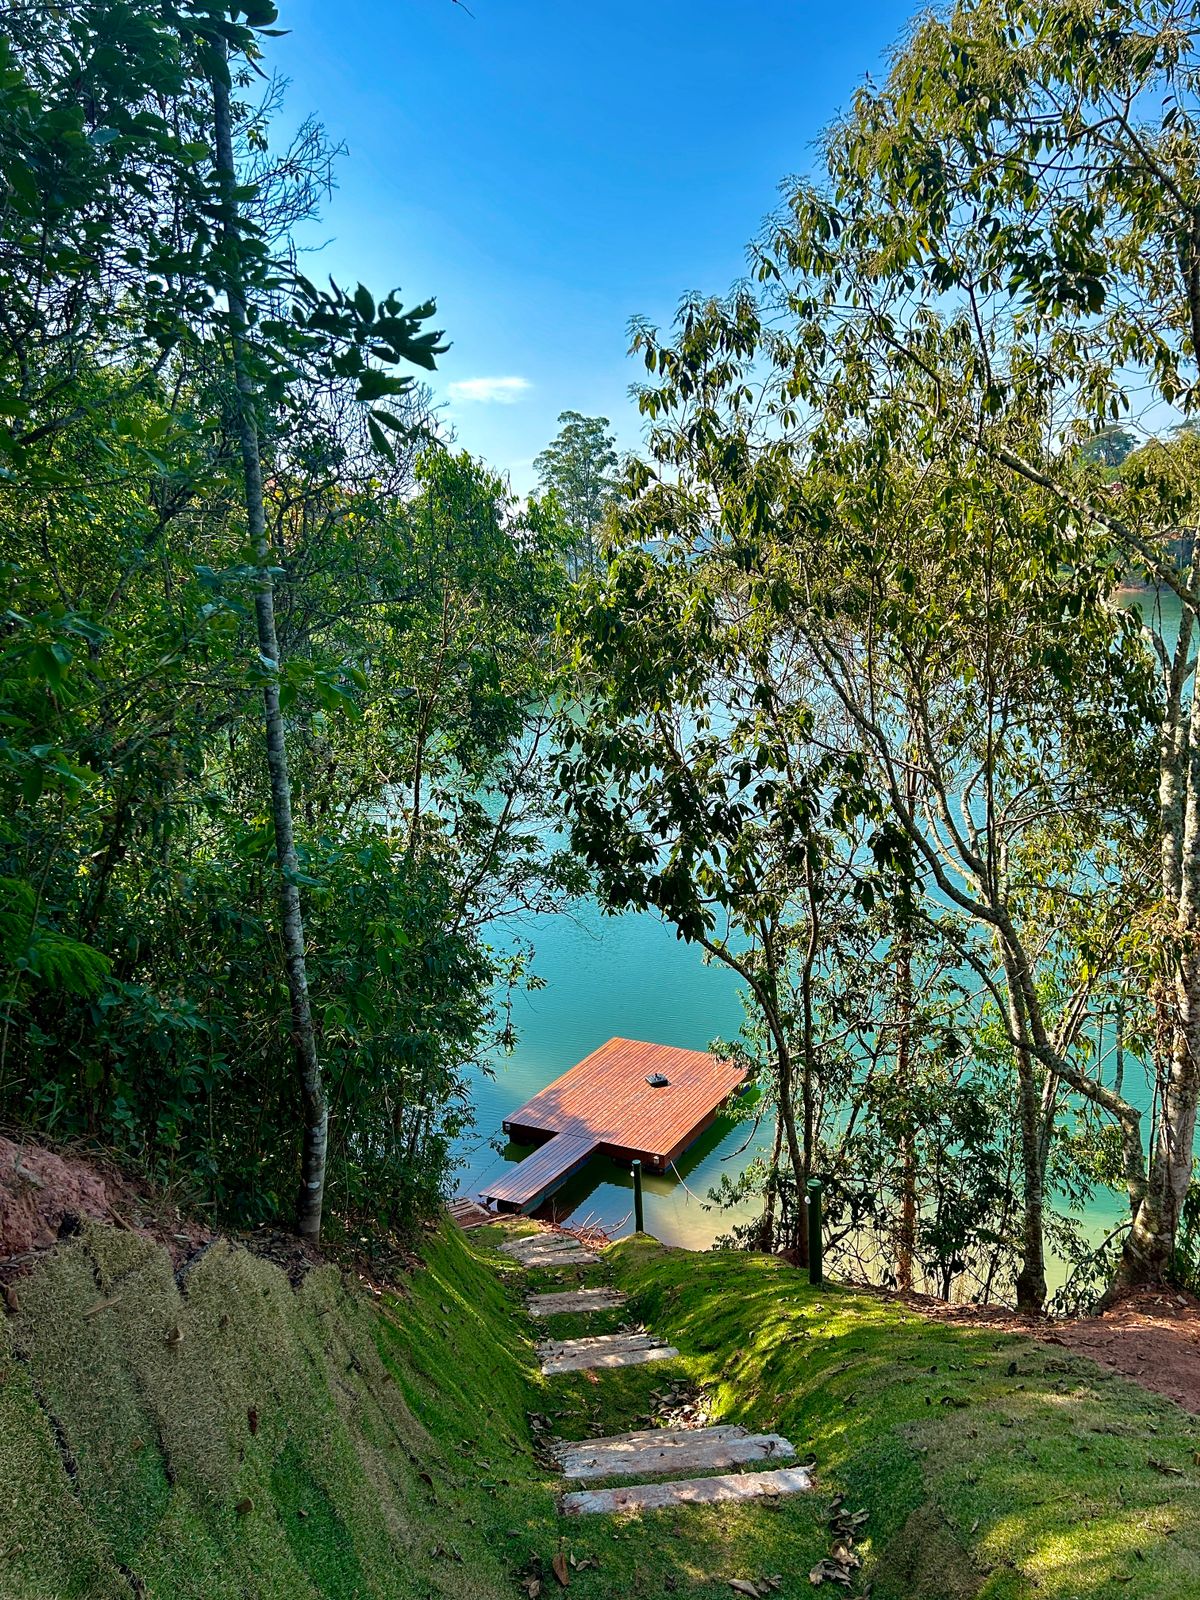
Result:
{"points": [[488, 391]]}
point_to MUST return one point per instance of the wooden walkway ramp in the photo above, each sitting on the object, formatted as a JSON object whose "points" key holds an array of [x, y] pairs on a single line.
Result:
{"points": [[628, 1100]]}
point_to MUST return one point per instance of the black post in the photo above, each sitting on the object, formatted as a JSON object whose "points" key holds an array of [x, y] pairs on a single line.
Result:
{"points": [[639, 1218], [813, 1201]]}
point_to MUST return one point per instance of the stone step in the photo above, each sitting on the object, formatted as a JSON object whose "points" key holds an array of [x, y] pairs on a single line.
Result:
{"points": [[689, 1491], [547, 1250], [573, 1300], [606, 1350], [600, 1341], [719, 1430], [665, 1450]]}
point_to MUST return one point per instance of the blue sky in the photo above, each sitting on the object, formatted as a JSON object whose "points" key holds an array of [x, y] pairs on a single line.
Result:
{"points": [[548, 171]]}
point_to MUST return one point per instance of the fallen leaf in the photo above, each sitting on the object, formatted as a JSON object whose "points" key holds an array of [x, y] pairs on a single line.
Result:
{"points": [[252, 1419], [533, 1588], [559, 1568], [744, 1586], [244, 1505]]}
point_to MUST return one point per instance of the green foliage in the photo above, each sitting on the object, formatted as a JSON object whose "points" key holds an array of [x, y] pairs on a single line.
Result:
{"points": [[947, 1435], [143, 1000], [577, 469]]}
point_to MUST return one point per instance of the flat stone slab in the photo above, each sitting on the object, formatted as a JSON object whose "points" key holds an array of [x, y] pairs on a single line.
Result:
{"points": [[574, 1300], [688, 1492], [605, 1350], [600, 1341], [547, 1250], [665, 1450], [558, 1258], [719, 1430]]}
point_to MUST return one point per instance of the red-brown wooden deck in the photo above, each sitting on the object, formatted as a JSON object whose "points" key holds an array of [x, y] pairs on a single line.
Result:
{"points": [[604, 1105]]}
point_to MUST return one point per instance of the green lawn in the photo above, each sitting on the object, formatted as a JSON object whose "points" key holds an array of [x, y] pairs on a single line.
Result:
{"points": [[990, 1465], [244, 1440]]}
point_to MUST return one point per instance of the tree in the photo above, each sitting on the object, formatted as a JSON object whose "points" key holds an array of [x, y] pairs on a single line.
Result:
{"points": [[923, 601], [218, 487], [1014, 211], [344, 327], [577, 467], [1110, 446], [701, 782]]}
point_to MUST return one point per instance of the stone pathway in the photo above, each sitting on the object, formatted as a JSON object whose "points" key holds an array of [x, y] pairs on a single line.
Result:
{"points": [[604, 1350], [708, 1451]]}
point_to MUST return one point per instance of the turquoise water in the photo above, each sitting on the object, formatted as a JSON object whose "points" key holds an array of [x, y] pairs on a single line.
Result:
{"points": [[629, 975], [625, 976]]}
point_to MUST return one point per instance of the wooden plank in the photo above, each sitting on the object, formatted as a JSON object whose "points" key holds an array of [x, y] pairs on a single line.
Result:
{"points": [[530, 1181], [607, 1098], [688, 1491], [690, 1450], [568, 1301]]}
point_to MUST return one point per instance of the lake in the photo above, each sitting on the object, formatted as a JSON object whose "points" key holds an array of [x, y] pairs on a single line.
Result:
{"points": [[608, 976], [630, 976]]}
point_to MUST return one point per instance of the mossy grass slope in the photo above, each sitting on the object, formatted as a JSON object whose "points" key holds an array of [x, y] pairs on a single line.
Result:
{"points": [[242, 1438], [992, 1466]]}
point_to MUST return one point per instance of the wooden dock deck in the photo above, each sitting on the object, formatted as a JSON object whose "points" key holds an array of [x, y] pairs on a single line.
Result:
{"points": [[606, 1105]]}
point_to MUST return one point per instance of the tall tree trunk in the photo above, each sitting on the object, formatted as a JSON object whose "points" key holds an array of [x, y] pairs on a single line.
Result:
{"points": [[906, 1234], [1156, 1206], [766, 1227], [304, 1045], [1031, 1279], [787, 1111]]}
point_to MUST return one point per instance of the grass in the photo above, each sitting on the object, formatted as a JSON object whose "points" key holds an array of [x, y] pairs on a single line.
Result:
{"points": [[991, 1465], [242, 1439]]}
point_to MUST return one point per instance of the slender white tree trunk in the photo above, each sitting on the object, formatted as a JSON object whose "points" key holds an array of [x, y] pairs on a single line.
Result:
{"points": [[304, 1044]]}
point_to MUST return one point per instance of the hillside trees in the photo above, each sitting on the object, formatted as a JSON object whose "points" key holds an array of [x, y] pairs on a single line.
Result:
{"points": [[578, 467], [1026, 179], [932, 663], [895, 437], [154, 344]]}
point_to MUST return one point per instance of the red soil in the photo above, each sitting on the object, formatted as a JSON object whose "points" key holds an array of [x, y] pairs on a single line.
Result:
{"points": [[1151, 1336], [46, 1194]]}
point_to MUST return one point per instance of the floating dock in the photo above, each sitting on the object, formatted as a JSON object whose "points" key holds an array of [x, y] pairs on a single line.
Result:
{"points": [[613, 1104]]}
